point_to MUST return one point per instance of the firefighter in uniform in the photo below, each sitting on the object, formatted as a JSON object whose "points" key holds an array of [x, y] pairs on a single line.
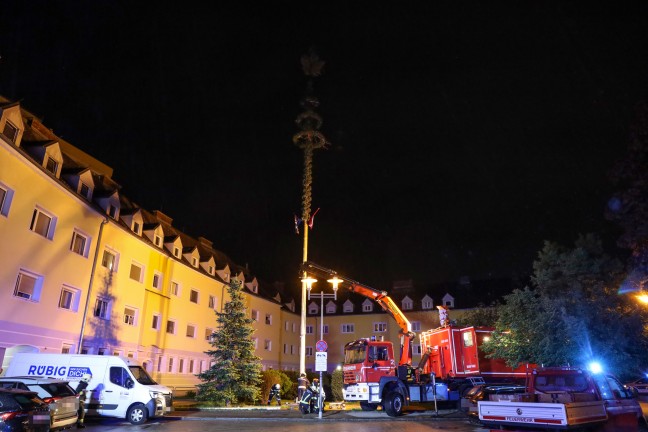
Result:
{"points": [[83, 395], [275, 393], [302, 385]]}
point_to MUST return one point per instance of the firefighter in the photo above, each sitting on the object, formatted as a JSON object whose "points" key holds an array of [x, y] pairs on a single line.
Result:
{"points": [[83, 395], [302, 385], [275, 392]]}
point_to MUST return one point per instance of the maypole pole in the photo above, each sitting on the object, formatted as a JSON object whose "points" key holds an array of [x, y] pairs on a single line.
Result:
{"points": [[309, 138]]}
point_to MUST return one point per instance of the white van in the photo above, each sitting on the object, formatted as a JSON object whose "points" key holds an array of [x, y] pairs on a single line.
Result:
{"points": [[119, 386]]}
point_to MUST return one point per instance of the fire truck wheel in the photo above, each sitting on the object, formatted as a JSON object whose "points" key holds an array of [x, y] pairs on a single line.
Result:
{"points": [[394, 404], [366, 406]]}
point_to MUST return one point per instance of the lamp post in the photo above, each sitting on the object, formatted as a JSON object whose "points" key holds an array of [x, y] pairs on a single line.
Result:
{"points": [[309, 138], [308, 282]]}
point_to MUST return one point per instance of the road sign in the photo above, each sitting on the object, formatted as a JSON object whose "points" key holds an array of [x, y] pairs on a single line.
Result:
{"points": [[320, 361], [321, 346]]}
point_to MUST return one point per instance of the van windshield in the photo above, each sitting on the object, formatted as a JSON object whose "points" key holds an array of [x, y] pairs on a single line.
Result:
{"points": [[141, 376]]}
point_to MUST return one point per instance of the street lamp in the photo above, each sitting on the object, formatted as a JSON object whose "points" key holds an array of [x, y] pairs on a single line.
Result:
{"points": [[308, 281]]}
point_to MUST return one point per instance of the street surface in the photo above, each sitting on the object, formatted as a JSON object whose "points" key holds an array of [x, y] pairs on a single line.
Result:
{"points": [[281, 421]]}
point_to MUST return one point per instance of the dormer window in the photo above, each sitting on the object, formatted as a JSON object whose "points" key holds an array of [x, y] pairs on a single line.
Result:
{"points": [[10, 131], [176, 252], [194, 262], [84, 190], [255, 289], [136, 228], [51, 165], [331, 308], [313, 309], [157, 240], [407, 304], [367, 306], [210, 270], [112, 211]]}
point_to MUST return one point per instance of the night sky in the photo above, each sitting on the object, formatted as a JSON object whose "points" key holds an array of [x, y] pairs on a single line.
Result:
{"points": [[462, 134]]}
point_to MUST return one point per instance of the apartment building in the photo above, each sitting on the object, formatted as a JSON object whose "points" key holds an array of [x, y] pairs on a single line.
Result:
{"points": [[85, 269]]}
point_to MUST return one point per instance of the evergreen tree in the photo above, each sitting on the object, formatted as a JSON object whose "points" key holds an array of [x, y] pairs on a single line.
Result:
{"points": [[236, 373]]}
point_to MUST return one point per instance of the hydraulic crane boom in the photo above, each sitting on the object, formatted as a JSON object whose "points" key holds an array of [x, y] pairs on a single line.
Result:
{"points": [[380, 297]]}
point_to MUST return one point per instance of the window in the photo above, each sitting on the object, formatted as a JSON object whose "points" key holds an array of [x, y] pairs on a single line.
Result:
{"points": [[136, 227], [416, 348], [78, 244], [294, 327], [287, 325], [194, 262], [426, 304], [367, 307], [348, 328], [380, 327], [407, 304], [109, 260], [6, 196], [193, 296], [210, 270], [330, 308], [10, 131], [267, 345], [84, 190], [157, 240], [101, 351], [325, 329], [155, 322], [42, 224], [467, 339], [66, 349], [191, 331], [191, 366], [347, 307], [51, 165], [175, 288], [170, 368], [313, 309], [129, 316], [255, 315], [157, 280], [112, 211], [176, 252], [285, 348], [309, 329], [416, 326], [28, 285], [136, 272], [171, 327], [69, 299], [292, 349], [212, 302], [309, 351], [119, 376], [102, 308], [208, 334], [181, 366], [268, 319]]}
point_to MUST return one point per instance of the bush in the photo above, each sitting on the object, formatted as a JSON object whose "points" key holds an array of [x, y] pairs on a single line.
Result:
{"points": [[272, 377], [337, 384]]}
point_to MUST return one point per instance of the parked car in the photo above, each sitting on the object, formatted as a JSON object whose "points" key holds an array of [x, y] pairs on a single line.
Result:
{"points": [[488, 392], [22, 410], [641, 385], [61, 398]]}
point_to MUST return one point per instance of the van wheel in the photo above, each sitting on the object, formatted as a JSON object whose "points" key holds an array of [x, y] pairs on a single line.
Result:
{"points": [[137, 414]]}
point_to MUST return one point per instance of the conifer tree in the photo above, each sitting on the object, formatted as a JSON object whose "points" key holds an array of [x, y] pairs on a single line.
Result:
{"points": [[236, 372]]}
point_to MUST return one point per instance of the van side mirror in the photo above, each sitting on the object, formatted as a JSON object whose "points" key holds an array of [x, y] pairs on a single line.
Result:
{"points": [[129, 383]]}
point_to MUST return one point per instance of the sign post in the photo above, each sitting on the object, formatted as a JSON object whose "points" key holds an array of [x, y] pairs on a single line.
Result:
{"points": [[321, 357]]}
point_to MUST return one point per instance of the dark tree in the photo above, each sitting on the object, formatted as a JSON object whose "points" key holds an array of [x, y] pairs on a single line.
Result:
{"points": [[573, 314]]}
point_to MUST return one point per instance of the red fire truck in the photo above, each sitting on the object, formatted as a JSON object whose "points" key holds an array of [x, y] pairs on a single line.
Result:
{"points": [[450, 365]]}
